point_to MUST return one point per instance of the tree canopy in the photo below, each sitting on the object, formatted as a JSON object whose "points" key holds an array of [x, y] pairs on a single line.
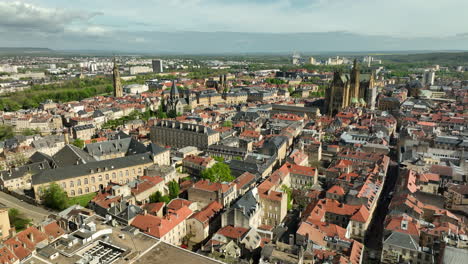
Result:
{"points": [[6, 132], [158, 197], [55, 197], [17, 219], [220, 172], [173, 189], [78, 143]]}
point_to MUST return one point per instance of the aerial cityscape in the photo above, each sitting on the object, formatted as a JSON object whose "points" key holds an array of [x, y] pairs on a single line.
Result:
{"points": [[271, 138]]}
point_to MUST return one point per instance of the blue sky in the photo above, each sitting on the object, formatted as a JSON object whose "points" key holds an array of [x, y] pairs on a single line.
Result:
{"points": [[64, 21]]}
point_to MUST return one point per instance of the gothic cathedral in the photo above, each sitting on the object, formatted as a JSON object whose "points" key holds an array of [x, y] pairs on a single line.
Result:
{"points": [[350, 89]]}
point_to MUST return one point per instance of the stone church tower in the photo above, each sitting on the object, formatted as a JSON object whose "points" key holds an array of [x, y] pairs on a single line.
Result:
{"points": [[350, 89], [118, 90]]}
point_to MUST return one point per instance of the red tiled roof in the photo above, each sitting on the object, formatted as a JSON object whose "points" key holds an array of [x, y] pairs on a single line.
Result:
{"points": [[178, 203], [153, 179], [362, 215], [154, 208], [317, 231], [6, 256], [157, 226], [395, 224], [142, 186], [232, 232], [208, 212], [201, 161], [336, 189], [210, 186], [244, 179], [53, 230], [356, 252]]}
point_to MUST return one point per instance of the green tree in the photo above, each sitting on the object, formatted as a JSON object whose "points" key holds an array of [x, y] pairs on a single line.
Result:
{"points": [[174, 189], [227, 123], [78, 143], [17, 219], [218, 158], [158, 197], [55, 197], [6, 132], [30, 132], [288, 191], [220, 172]]}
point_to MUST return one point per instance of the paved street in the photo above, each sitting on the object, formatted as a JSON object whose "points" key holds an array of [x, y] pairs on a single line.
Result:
{"points": [[37, 214], [373, 240]]}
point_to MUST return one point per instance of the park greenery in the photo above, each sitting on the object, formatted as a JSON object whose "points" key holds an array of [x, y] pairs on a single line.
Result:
{"points": [[220, 172], [18, 220], [55, 197], [134, 115], [70, 90]]}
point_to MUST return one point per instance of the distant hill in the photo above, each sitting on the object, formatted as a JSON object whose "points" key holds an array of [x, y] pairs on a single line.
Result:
{"points": [[460, 58], [24, 50]]}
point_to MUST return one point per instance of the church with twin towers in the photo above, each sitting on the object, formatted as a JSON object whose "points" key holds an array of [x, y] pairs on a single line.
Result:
{"points": [[353, 89]]}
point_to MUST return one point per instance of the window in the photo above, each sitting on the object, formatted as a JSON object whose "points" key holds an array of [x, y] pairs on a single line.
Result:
{"points": [[64, 185], [80, 191], [114, 175], [87, 190], [126, 173], [107, 176], [86, 181], [93, 188], [139, 170], [72, 184], [93, 180], [72, 193], [100, 178], [78, 182]]}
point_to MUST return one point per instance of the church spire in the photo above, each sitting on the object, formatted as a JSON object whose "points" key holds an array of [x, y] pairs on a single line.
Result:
{"points": [[174, 90]]}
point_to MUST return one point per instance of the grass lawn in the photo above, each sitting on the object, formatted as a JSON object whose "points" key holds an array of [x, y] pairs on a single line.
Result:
{"points": [[82, 200]]}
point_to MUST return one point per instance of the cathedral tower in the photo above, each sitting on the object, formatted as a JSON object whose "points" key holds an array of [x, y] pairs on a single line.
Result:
{"points": [[355, 83], [118, 90]]}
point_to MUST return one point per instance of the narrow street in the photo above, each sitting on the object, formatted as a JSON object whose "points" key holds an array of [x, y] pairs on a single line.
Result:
{"points": [[36, 213], [374, 236]]}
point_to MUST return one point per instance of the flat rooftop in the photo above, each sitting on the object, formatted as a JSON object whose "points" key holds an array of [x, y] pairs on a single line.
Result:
{"points": [[165, 253]]}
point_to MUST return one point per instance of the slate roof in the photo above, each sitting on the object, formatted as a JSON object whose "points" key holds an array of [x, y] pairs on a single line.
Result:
{"points": [[248, 203], [71, 155], [69, 172], [23, 170], [402, 240]]}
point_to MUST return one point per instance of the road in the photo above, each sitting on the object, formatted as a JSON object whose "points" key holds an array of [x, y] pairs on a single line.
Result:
{"points": [[37, 214], [373, 240]]}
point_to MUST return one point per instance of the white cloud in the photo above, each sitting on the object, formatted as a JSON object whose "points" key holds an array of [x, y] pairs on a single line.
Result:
{"points": [[20, 16]]}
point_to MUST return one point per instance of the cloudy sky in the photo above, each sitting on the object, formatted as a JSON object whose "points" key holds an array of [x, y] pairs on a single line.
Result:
{"points": [[133, 25]]}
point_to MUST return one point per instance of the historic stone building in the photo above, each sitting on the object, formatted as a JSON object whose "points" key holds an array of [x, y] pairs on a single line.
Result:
{"points": [[90, 177], [350, 89], [178, 135]]}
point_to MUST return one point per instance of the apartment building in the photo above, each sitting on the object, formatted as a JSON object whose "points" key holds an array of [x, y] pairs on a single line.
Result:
{"points": [[178, 135]]}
